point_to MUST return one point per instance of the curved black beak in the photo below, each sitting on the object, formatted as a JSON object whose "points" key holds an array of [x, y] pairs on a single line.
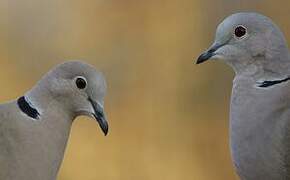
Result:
{"points": [[208, 54], [204, 57], [100, 116]]}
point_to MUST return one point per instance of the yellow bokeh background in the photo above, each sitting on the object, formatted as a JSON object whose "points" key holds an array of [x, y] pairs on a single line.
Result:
{"points": [[168, 117]]}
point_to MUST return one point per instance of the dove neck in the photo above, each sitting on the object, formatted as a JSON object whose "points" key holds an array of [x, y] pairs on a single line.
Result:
{"points": [[57, 121], [264, 67], [41, 98]]}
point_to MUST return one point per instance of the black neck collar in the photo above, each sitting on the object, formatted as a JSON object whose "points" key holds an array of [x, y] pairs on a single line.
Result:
{"points": [[26, 108], [265, 84]]}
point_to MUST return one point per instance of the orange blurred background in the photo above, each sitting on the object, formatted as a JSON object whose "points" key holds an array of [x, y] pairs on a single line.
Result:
{"points": [[168, 117]]}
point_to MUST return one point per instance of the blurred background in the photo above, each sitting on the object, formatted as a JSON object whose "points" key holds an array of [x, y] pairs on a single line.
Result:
{"points": [[168, 117]]}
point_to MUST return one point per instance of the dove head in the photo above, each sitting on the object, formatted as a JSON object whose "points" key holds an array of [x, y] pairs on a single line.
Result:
{"points": [[74, 87], [249, 42]]}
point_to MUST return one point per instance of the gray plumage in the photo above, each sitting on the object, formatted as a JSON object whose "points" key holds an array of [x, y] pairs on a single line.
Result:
{"points": [[260, 102], [33, 148]]}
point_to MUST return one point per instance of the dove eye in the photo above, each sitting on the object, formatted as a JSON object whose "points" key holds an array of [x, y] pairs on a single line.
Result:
{"points": [[240, 31], [81, 82]]}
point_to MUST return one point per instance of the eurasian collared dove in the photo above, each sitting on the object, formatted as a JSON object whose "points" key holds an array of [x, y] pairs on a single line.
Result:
{"points": [[34, 128], [260, 104]]}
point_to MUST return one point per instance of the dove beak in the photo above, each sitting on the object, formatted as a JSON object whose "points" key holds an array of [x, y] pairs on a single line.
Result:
{"points": [[99, 115], [208, 54]]}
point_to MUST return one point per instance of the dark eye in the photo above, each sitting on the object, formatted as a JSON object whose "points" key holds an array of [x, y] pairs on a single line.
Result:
{"points": [[81, 83], [240, 31]]}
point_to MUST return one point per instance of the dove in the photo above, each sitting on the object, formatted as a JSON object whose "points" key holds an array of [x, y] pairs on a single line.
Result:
{"points": [[35, 127], [256, 49]]}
